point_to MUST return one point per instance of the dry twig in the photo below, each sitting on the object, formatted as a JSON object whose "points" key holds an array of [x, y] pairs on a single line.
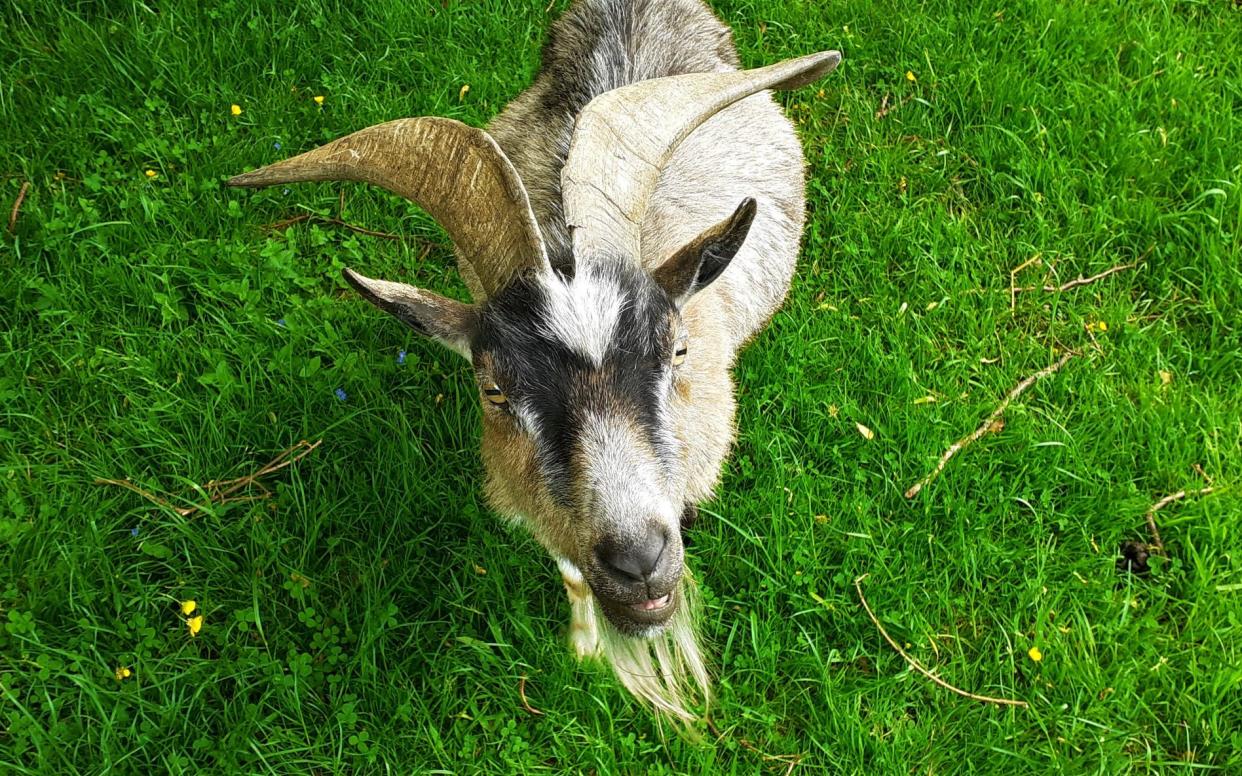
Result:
{"points": [[915, 664], [331, 222], [1076, 282], [1157, 543], [991, 425], [17, 205], [224, 491], [525, 703], [1082, 281]]}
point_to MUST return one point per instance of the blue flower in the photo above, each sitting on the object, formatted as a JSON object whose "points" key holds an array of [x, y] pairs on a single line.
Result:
{"points": [[340, 394], [281, 323], [400, 358], [133, 531], [276, 145]]}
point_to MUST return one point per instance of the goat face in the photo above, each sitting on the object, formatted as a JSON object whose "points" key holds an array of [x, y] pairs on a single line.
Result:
{"points": [[584, 380], [577, 375]]}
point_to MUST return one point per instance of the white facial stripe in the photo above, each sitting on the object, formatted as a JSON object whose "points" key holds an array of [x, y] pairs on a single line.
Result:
{"points": [[583, 312], [525, 418], [624, 483], [667, 444]]}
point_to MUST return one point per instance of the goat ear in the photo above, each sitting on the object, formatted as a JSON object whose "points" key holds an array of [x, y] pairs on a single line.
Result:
{"points": [[695, 266], [447, 321]]}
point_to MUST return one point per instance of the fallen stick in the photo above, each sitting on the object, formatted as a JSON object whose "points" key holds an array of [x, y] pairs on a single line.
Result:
{"points": [[1157, 543], [332, 222], [915, 664], [1080, 280], [991, 425], [17, 205]]}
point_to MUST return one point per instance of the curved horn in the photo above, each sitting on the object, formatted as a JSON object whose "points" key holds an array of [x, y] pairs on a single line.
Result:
{"points": [[456, 173], [624, 137]]}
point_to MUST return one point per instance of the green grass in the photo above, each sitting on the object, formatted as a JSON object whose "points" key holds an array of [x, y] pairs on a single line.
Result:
{"points": [[372, 614]]}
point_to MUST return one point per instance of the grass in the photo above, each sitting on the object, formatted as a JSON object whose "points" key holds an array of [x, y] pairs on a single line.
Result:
{"points": [[372, 615]]}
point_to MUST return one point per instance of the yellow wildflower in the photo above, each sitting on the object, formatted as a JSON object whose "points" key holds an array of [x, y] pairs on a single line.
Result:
{"points": [[461, 95], [910, 76], [123, 673], [319, 99], [152, 174], [196, 624], [235, 109], [1034, 654], [188, 607]]}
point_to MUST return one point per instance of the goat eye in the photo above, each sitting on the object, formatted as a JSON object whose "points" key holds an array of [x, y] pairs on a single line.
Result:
{"points": [[679, 353], [496, 396]]}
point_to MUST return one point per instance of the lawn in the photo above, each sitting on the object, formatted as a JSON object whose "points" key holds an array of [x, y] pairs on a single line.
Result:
{"points": [[362, 609]]}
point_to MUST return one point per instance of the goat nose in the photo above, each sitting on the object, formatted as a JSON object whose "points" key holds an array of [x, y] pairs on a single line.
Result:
{"points": [[635, 562]]}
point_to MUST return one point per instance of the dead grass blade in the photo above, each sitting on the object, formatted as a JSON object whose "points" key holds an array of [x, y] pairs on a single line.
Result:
{"points": [[228, 491], [525, 703], [918, 667], [791, 760], [17, 205]]}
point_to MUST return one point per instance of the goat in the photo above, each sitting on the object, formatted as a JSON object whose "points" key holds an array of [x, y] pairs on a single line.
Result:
{"points": [[624, 226]]}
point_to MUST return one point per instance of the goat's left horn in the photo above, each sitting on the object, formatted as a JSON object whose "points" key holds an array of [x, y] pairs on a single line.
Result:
{"points": [[624, 138], [455, 172]]}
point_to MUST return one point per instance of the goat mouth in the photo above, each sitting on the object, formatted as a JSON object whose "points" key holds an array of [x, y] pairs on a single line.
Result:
{"points": [[654, 605], [640, 619]]}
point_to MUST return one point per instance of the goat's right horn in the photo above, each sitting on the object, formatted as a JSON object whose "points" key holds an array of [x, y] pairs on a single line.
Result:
{"points": [[624, 137], [455, 172]]}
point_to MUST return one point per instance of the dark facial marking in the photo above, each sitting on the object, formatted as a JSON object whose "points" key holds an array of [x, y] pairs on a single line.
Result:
{"points": [[558, 386], [689, 516]]}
